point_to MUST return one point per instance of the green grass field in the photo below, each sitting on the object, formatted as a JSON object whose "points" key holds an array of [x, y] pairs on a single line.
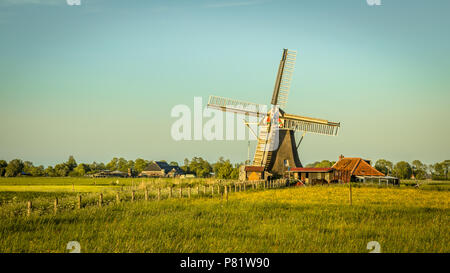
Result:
{"points": [[295, 219]]}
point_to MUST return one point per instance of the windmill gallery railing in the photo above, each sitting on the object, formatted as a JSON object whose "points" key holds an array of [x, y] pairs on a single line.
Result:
{"points": [[143, 192]]}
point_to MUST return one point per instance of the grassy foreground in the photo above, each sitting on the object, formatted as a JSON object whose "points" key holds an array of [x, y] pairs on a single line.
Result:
{"points": [[298, 219]]}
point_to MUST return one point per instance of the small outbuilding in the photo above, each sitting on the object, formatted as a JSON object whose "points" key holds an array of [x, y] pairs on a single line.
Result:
{"points": [[161, 169]]}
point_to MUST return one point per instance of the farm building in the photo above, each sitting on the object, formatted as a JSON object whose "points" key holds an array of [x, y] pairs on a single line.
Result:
{"points": [[346, 169], [356, 169], [313, 175], [252, 173], [161, 169], [108, 173]]}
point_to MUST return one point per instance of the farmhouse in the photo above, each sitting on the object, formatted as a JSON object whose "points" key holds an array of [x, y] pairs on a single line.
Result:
{"points": [[161, 169], [346, 169]]}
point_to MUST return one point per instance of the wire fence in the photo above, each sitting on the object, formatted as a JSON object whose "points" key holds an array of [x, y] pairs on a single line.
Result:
{"points": [[135, 193]]}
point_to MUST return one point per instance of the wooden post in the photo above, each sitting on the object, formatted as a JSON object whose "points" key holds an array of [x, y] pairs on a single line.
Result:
{"points": [[226, 192], [79, 201], [181, 192], [146, 194], [235, 187], [189, 192], [198, 190], [170, 192], [73, 187], [350, 192], [117, 198], [132, 196], [29, 208], [55, 205], [100, 200], [159, 194]]}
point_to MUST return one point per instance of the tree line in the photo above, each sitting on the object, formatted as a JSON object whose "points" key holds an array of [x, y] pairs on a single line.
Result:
{"points": [[402, 169], [222, 169]]}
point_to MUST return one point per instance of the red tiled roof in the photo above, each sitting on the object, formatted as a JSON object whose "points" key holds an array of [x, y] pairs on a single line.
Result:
{"points": [[356, 166], [311, 170], [254, 168]]}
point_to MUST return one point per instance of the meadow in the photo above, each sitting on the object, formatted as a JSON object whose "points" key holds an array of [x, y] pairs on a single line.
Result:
{"points": [[293, 219]]}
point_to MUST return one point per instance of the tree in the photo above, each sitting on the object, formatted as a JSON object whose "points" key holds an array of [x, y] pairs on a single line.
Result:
{"points": [[403, 170], [122, 165], [14, 168], [446, 166], [140, 164], [439, 170], [71, 163], [384, 166], [419, 169], [28, 167], [235, 172], [81, 169], [50, 171], [3, 165], [173, 163], [223, 169], [37, 171], [324, 164], [96, 167], [62, 169], [112, 165], [200, 167]]}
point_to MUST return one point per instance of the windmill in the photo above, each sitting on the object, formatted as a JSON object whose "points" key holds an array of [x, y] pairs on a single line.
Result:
{"points": [[276, 150]]}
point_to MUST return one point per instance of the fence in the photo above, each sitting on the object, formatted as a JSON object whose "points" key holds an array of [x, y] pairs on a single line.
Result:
{"points": [[144, 192]]}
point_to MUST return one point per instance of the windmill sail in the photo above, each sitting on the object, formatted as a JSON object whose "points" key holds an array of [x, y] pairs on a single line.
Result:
{"points": [[313, 125], [284, 78], [236, 106]]}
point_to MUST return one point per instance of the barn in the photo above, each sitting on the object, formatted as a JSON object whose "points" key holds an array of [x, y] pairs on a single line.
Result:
{"points": [[161, 169], [346, 169]]}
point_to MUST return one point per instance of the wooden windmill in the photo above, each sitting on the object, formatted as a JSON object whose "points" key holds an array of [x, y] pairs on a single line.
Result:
{"points": [[276, 150]]}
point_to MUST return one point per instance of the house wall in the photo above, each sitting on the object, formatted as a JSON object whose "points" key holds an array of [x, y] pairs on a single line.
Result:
{"points": [[252, 176]]}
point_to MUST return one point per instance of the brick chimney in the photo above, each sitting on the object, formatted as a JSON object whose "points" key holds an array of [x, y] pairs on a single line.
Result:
{"points": [[341, 157]]}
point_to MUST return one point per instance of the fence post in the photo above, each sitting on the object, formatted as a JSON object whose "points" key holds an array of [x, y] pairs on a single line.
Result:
{"points": [[117, 197], [181, 192], [56, 205], [226, 192], [350, 192], [170, 192], [159, 194], [29, 208], [146, 194], [132, 196], [79, 201], [100, 200], [198, 190], [189, 192]]}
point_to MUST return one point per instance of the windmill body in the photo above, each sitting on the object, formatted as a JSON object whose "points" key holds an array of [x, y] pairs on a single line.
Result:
{"points": [[276, 150]]}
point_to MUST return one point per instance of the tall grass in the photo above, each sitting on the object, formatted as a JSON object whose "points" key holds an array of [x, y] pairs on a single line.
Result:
{"points": [[298, 219]]}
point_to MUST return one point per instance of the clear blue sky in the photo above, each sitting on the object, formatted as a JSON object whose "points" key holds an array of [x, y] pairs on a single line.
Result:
{"points": [[99, 80]]}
